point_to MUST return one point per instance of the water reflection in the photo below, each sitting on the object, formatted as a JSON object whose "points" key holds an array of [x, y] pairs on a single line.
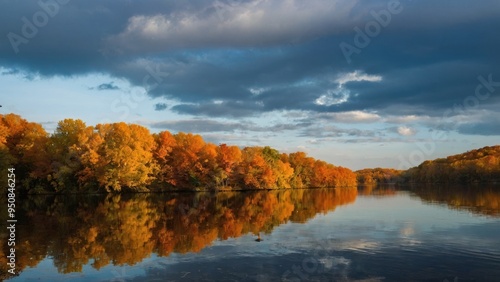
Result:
{"points": [[483, 200], [377, 190], [90, 238], [125, 229]]}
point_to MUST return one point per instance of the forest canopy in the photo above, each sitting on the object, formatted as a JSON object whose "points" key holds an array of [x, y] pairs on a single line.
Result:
{"points": [[120, 156], [476, 166], [375, 176], [117, 156], [481, 165]]}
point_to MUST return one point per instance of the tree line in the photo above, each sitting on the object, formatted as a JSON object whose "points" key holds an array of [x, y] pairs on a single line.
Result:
{"points": [[119, 156], [476, 166], [375, 176]]}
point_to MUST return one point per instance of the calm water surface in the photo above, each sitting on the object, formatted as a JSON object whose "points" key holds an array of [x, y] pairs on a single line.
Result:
{"points": [[424, 234]]}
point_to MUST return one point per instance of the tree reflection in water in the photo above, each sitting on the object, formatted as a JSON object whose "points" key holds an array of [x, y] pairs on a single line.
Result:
{"points": [[477, 198], [377, 190], [125, 229]]}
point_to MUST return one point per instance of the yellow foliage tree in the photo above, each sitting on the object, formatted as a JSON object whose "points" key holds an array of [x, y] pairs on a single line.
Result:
{"points": [[123, 157]]}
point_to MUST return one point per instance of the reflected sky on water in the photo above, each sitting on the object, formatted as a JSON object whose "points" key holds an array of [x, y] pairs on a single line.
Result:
{"points": [[306, 235]]}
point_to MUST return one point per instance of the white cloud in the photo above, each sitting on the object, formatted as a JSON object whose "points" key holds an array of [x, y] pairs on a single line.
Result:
{"points": [[357, 76], [358, 245], [406, 131], [353, 117], [237, 23], [257, 91], [406, 119], [341, 94], [407, 231], [333, 97]]}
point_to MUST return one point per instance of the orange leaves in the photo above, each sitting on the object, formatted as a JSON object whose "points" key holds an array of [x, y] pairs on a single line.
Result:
{"points": [[262, 168], [253, 170], [23, 143], [482, 165], [191, 161], [165, 143], [126, 158], [378, 176], [284, 173], [228, 157], [66, 149], [309, 172], [77, 157]]}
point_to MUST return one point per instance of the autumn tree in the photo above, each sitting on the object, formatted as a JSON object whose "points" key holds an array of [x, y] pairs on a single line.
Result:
{"points": [[228, 158], [5, 157], [165, 144], [328, 175], [120, 155], [24, 145], [193, 162], [66, 149], [253, 171], [303, 169], [77, 157], [282, 171]]}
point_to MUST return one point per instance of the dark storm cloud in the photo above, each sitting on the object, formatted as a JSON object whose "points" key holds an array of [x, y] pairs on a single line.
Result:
{"points": [[235, 109], [336, 132], [198, 126], [488, 128], [10, 72], [160, 107], [243, 58], [486, 124], [220, 138], [204, 125], [107, 86]]}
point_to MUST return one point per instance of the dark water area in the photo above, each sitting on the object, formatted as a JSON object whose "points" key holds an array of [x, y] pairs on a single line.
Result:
{"points": [[431, 233]]}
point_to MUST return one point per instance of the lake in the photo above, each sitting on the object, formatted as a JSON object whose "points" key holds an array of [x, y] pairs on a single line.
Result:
{"points": [[429, 233]]}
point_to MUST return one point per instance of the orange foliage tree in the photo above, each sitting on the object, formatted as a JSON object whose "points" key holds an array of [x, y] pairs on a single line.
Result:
{"points": [[23, 146], [481, 165], [120, 155], [112, 157]]}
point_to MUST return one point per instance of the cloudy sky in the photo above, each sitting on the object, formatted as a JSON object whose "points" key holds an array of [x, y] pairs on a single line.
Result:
{"points": [[358, 83]]}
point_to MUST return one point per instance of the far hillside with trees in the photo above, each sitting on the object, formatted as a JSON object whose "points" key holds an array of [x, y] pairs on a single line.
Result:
{"points": [[476, 166], [375, 176]]}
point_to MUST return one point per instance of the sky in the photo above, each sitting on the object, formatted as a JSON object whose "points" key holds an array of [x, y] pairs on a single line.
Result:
{"points": [[357, 83]]}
